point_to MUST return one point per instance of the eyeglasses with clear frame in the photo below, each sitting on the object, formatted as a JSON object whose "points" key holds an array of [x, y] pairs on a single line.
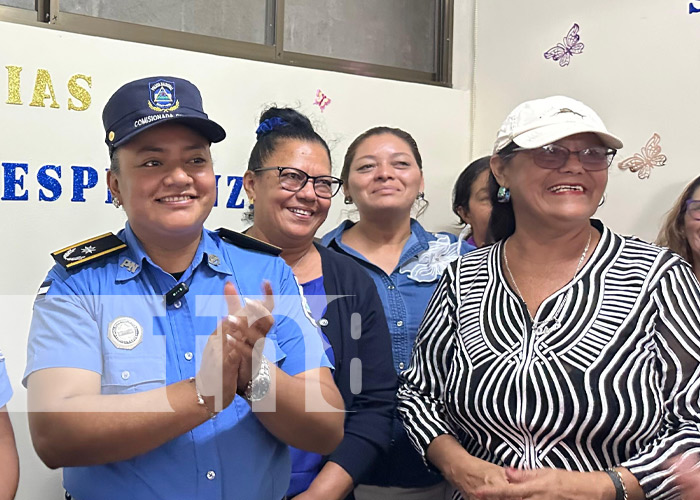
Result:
{"points": [[292, 179], [692, 208], [554, 156]]}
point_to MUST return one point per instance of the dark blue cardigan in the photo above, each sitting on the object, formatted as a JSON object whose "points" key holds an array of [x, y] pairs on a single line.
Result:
{"points": [[368, 422]]}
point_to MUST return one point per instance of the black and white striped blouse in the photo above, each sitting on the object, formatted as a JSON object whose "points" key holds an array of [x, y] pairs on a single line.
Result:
{"points": [[607, 375]]}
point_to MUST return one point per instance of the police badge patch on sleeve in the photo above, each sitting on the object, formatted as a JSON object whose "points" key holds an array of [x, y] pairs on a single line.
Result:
{"points": [[125, 332]]}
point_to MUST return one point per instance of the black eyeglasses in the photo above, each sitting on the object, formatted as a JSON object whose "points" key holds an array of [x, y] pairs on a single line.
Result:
{"points": [[554, 156], [293, 179], [693, 208]]}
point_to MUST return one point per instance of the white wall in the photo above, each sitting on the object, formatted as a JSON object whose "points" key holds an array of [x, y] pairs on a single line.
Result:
{"points": [[638, 70], [235, 92]]}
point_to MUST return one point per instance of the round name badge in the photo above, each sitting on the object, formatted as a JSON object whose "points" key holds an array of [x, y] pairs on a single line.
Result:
{"points": [[125, 332]]}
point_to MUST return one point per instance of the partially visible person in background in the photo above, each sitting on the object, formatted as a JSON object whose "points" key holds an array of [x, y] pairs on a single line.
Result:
{"points": [[383, 176], [9, 462], [681, 229], [290, 186], [471, 201]]}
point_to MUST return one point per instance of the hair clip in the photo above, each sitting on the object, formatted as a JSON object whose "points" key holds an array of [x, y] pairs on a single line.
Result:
{"points": [[269, 125]]}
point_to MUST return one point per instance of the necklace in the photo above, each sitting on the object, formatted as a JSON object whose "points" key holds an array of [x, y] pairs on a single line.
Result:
{"points": [[510, 274], [298, 261]]}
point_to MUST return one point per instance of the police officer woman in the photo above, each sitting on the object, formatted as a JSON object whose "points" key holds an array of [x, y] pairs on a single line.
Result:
{"points": [[124, 374]]}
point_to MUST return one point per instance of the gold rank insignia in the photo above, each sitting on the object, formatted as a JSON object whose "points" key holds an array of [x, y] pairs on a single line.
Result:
{"points": [[88, 250]]}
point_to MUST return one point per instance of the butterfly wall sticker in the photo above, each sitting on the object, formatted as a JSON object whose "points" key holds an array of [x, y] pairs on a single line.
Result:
{"points": [[649, 158], [322, 100], [563, 52]]}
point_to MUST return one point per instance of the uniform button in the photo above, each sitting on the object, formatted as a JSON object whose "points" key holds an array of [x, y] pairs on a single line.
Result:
{"points": [[399, 323], [391, 287], [189, 356], [125, 375], [211, 475], [323, 322], [401, 365], [178, 304]]}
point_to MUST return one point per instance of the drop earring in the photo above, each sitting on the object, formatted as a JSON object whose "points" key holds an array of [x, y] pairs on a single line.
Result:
{"points": [[503, 195]]}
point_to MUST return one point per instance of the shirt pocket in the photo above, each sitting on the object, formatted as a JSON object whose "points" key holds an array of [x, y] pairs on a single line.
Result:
{"points": [[123, 374]]}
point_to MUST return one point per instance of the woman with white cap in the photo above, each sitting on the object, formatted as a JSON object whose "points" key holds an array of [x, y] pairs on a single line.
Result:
{"points": [[563, 361]]}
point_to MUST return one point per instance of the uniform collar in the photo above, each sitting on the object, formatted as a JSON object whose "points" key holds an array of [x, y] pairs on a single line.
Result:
{"points": [[131, 261]]}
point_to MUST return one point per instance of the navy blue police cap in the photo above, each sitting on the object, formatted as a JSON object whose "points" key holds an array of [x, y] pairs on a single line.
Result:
{"points": [[144, 103]]}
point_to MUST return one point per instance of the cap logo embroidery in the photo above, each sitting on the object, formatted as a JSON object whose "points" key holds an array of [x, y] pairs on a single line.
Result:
{"points": [[567, 110], [162, 96]]}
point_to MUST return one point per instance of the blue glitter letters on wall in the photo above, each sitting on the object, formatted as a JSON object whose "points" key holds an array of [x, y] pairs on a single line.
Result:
{"points": [[49, 182], [12, 181], [232, 201], [80, 184]]}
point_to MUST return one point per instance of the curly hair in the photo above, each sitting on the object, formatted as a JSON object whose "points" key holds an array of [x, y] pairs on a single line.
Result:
{"points": [[672, 234]]}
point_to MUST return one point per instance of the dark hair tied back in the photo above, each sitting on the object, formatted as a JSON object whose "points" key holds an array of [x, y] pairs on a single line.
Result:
{"points": [[279, 124]]}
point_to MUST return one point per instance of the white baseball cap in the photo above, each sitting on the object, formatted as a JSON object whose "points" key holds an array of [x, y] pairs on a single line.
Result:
{"points": [[536, 123]]}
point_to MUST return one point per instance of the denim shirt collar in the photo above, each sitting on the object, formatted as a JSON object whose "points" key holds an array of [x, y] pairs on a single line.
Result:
{"points": [[132, 260], [417, 242]]}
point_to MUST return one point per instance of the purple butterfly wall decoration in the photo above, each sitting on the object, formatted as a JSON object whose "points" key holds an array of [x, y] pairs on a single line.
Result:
{"points": [[563, 52]]}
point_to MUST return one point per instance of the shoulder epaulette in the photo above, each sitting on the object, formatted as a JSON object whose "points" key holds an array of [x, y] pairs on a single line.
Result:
{"points": [[248, 242], [88, 250]]}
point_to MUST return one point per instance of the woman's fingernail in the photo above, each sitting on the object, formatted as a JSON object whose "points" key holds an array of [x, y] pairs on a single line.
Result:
{"points": [[234, 320]]}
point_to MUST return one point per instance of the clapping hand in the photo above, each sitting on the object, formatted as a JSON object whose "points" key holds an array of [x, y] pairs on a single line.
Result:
{"points": [[249, 323]]}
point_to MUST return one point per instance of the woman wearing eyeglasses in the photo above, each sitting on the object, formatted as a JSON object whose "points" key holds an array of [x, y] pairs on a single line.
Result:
{"points": [[562, 361], [681, 230], [289, 185]]}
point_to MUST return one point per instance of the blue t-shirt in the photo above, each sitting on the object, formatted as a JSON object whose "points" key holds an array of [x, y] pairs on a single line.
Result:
{"points": [[110, 317], [306, 464], [5, 387]]}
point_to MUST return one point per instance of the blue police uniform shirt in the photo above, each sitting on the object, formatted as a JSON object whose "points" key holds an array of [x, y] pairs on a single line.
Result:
{"points": [[405, 294], [5, 387], [110, 317]]}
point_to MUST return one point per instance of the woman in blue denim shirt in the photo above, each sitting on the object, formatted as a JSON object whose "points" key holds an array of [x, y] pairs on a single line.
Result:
{"points": [[383, 176]]}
